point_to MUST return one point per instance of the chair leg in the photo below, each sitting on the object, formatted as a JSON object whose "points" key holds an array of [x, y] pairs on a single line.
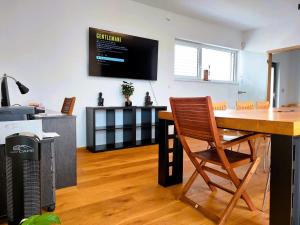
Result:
{"points": [[201, 209], [238, 149], [188, 184], [253, 149], [265, 159], [236, 180], [267, 156], [257, 142], [205, 176], [237, 183], [239, 192], [191, 180], [192, 203], [266, 191], [269, 147], [267, 187]]}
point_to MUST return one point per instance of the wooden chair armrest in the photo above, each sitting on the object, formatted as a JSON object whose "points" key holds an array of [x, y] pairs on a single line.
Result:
{"points": [[241, 139]]}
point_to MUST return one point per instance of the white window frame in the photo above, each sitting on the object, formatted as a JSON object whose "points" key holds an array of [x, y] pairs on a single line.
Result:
{"points": [[199, 47]]}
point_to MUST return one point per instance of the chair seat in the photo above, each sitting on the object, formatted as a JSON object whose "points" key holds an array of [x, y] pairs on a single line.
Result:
{"points": [[234, 158]]}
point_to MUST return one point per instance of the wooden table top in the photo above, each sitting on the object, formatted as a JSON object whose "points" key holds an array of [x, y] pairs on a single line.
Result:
{"points": [[284, 121]]}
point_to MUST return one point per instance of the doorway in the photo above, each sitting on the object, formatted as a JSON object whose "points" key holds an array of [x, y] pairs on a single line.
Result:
{"points": [[273, 82], [274, 87]]}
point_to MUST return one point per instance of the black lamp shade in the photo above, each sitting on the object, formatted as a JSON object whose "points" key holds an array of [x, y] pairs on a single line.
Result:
{"points": [[23, 89]]}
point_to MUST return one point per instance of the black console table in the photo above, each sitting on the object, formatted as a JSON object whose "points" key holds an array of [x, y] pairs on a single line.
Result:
{"points": [[110, 128]]}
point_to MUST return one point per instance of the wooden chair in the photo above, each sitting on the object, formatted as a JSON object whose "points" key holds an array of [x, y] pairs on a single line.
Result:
{"points": [[227, 134], [292, 105], [248, 105], [194, 118], [244, 105], [220, 105], [68, 106], [263, 105]]}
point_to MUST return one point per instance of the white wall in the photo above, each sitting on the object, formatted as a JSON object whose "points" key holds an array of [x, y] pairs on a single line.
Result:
{"points": [[273, 37], [45, 44], [281, 35], [289, 77], [252, 76]]}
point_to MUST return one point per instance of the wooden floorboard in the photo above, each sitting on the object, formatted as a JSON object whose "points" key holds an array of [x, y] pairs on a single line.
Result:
{"points": [[120, 188]]}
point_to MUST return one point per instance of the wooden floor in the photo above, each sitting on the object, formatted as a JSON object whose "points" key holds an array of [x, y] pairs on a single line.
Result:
{"points": [[120, 188]]}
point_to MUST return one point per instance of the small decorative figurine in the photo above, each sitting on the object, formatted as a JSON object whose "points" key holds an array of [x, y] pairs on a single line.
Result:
{"points": [[100, 99], [148, 101], [127, 91]]}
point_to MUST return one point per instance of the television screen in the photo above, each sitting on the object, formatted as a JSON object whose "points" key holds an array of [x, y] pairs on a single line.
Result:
{"points": [[119, 55]]}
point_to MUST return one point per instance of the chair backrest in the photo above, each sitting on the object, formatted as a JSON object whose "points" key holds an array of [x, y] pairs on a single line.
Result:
{"points": [[68, 106], [263, 105], [194, 117], [220, 105], [244, 105]]}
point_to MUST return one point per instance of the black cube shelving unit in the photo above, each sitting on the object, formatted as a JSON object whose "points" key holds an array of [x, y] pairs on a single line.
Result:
{"points": [[111, 128]]}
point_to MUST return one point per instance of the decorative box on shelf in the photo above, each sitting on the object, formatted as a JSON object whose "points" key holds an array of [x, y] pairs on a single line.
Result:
{"points": [[110, 128]]}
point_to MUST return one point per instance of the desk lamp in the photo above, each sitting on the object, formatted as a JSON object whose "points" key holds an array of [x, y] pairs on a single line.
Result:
{"points": [[4, 90]]}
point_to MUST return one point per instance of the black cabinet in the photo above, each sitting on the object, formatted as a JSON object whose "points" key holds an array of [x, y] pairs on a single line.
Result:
{"points": [[109, 128]]}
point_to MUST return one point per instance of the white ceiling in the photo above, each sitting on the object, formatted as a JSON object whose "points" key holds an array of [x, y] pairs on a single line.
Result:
{"points": [[240, 14]]}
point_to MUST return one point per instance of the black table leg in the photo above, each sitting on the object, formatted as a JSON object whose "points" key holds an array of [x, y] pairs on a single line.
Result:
{"points": [[285, 177], [169, 168]]}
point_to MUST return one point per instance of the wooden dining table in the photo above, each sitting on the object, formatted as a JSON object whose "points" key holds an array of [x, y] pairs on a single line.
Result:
{"points": [[284, 126]]}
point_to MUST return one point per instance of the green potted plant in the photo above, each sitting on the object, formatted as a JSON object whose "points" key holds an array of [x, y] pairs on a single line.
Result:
{"points": [[45, 219], [127, 91]]}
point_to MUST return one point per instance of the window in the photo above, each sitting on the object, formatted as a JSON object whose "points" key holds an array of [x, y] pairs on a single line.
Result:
{"points": [[192, 59], [186, 61]]}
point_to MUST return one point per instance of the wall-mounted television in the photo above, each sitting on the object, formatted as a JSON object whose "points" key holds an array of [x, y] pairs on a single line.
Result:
{"points": [[119, 55]]}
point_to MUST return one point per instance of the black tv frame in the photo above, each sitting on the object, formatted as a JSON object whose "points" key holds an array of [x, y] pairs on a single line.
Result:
{"points": [[95, 70]]}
